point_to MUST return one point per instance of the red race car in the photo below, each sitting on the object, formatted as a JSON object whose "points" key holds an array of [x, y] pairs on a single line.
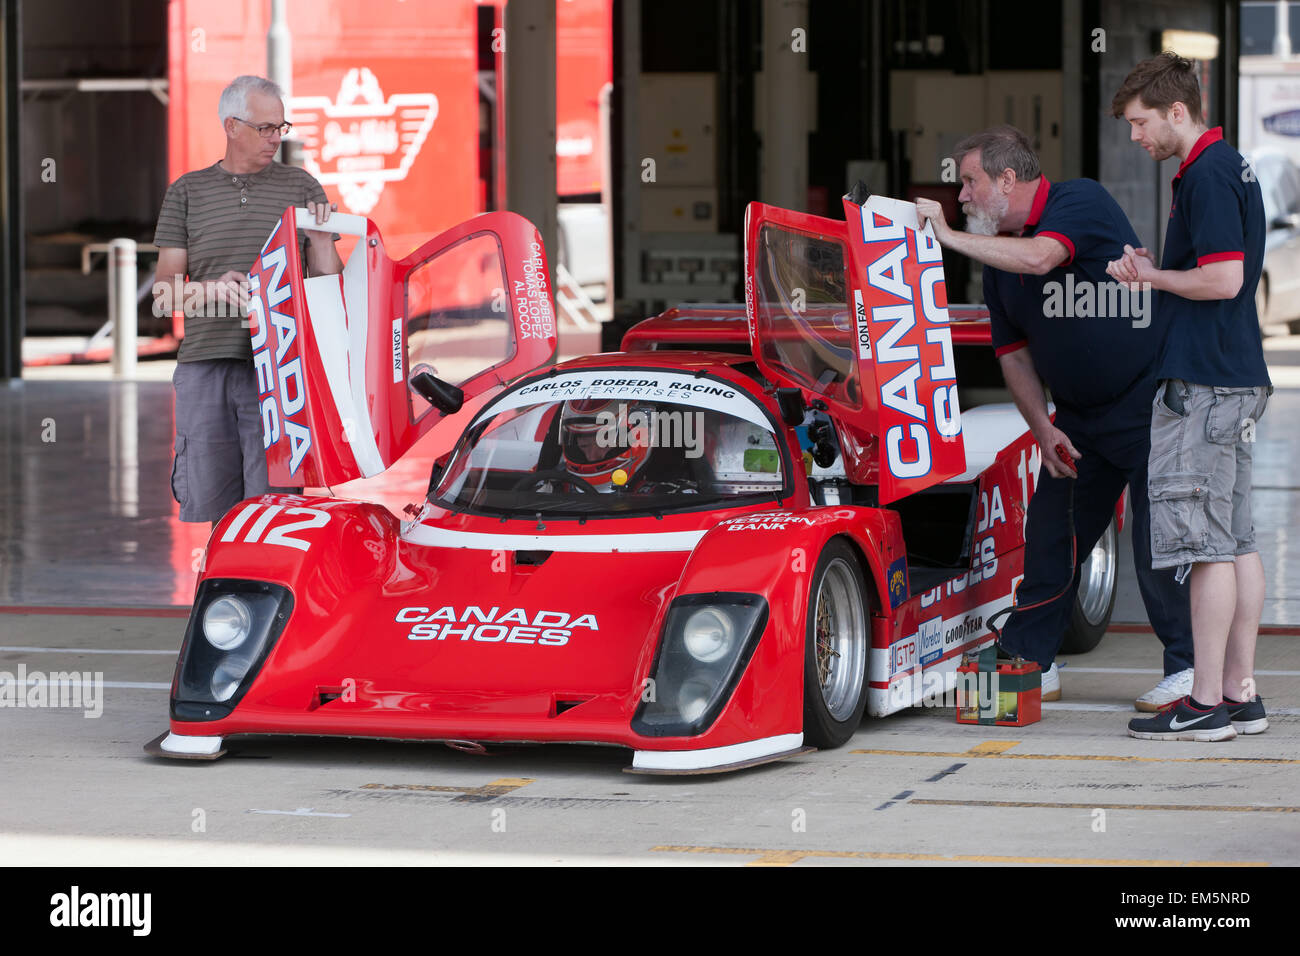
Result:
{"points": [[716, 548]]}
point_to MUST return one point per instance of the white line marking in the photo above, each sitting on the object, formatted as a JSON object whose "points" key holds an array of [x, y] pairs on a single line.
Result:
{"points": [[301, 812], [95, 650], [116, 684], [1128, 708], [1149, 670]]}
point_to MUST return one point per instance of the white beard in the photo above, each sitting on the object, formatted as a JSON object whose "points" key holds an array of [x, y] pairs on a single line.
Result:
{"points": [[983, 222]]}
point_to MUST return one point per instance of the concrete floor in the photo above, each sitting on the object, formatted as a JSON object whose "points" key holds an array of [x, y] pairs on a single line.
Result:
{"points": [[912, 788], [96, 571]]}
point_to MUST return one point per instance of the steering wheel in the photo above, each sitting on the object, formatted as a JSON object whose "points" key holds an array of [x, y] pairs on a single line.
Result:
{"points": [[581, 485]]}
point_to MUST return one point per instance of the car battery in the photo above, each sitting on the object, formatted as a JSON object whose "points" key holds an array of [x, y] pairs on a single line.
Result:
{"points": [[1003, 693]]}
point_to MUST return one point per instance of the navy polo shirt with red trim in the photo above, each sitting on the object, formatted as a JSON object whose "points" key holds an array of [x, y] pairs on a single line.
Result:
{"points": [[1093, 343], [1217, 214]]}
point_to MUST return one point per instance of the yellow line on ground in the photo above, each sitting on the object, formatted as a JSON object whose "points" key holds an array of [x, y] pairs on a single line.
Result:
{"points": [[1207, 807], [773, 857], [496, 788], [996, 748]]}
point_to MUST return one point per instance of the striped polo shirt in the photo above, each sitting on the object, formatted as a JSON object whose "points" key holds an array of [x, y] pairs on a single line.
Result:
{"points": [[222, 220]]}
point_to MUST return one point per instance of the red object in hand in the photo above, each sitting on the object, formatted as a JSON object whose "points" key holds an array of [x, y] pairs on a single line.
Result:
{"points": [[1063, 454]]}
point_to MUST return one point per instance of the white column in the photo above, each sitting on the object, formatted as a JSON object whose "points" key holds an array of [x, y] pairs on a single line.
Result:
{"points": [[785, 103], [122, 305]]}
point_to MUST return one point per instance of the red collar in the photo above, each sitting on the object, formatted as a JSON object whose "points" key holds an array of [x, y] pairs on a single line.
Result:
{"points": [[1040, 200], [1206, 138]]}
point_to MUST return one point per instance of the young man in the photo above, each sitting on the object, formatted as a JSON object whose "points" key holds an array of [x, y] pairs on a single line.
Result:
{"points": [[212, 225], [1044, 247], [1214, 386]]}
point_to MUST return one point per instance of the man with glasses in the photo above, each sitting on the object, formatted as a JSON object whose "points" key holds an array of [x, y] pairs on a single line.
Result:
{"points": [[212, 226]]}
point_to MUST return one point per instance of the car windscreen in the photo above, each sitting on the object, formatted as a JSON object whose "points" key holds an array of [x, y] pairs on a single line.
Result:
{"points": [[609, 443]]}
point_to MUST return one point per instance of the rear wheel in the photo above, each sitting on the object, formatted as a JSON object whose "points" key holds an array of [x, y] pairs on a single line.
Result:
{"points": [[835, 649], [1095, 602]]}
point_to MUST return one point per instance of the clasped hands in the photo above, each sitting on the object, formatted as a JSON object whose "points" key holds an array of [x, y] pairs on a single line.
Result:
{"points": [[1135, 267]]}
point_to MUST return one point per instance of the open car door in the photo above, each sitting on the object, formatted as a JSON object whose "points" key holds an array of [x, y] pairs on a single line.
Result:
{"points": [[854, 315], [344, 362]]}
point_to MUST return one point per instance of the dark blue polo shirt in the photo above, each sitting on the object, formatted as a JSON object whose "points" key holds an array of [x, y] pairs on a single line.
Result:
{"points": [[1077, 322], [1217, 214]]}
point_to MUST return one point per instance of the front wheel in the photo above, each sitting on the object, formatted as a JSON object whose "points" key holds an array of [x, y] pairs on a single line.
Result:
{"points": [[1096, 598], [836, 639]]}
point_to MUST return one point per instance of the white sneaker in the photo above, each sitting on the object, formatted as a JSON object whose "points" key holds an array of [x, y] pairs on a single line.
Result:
{"points": [[1166, 692], [1052, 683]]}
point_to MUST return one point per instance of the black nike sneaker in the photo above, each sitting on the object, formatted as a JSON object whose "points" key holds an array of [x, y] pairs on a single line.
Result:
{"points": [[1247, 716], [1179, 720]]}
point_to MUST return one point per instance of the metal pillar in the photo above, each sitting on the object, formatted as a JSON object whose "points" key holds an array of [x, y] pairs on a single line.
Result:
{"points": [[122, 305], [530, 118], [1073, 34], [12, 319], [785, 108], [279, 70]]}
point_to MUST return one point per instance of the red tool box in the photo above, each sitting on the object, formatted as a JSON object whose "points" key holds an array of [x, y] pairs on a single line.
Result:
{"points": [[1003, 693]]}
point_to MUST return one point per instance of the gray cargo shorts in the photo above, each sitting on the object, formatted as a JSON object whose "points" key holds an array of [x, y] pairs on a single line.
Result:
{"points": [[219, 460], [1199, 472]]}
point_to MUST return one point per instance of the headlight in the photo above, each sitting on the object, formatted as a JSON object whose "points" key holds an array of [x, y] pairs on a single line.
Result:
{"points": [[707, 642], [708, 634], [226, 677], [227, 623], [234, 626], [693, 699]]}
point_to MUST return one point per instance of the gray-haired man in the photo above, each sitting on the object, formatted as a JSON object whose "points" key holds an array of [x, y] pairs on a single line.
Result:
{"points": [[213, 224]]}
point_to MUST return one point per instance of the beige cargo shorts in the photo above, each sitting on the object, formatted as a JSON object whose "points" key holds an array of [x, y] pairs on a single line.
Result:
{"points": [[1199, 474]]}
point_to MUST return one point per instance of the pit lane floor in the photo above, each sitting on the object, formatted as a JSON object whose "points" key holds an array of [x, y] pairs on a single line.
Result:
{"points": [[911, 788], [84, 524]]}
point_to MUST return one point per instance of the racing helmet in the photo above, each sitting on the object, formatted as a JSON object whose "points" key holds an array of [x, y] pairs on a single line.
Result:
{"points": [[597, 440]]}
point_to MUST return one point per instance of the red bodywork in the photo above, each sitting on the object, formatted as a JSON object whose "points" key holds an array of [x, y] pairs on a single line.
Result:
{"points": [[518, 626]]}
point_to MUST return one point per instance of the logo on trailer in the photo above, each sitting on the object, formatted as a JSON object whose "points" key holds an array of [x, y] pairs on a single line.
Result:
{"points": [[359, 141], [1283, 124]]}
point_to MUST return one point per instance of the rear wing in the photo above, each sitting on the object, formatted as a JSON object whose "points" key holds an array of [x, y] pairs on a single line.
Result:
{"points": [[335, 355]]}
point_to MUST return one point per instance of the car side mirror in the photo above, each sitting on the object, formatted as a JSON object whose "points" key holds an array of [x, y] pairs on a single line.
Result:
{"points": [[442, 396]]}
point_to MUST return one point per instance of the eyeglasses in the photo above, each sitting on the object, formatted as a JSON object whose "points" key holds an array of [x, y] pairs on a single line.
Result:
{"points": [[269, 130]]}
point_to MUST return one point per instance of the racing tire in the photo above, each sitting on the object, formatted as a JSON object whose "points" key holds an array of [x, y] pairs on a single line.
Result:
{"points": [[837, 640], [1095, 602]]}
